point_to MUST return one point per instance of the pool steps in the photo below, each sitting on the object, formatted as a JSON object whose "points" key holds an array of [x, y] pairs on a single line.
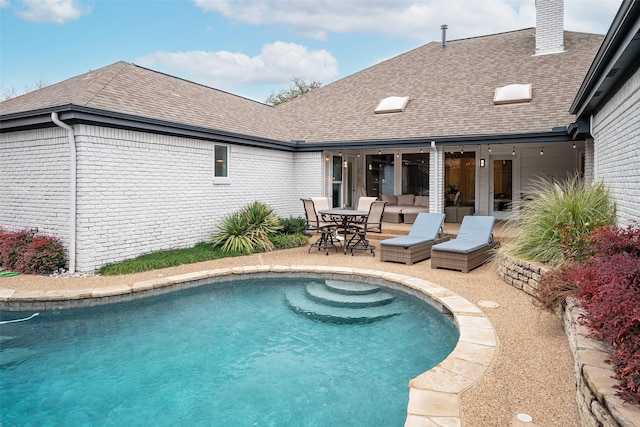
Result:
{"points": [[334, 301]]}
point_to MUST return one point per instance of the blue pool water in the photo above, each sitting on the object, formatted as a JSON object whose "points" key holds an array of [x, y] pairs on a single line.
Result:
{"points": [[218, 355]]}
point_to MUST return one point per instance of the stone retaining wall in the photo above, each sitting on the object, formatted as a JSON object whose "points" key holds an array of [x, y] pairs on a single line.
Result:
{"points": [[595, 396]]}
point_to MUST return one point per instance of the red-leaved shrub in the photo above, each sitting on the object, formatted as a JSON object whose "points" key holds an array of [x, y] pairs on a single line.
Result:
{"points": [[44, 255], [13, 244], [609, 291], [27, 252]]}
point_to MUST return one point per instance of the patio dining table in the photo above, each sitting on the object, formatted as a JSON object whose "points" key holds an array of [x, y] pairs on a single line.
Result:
{"points": [[346, 217]]}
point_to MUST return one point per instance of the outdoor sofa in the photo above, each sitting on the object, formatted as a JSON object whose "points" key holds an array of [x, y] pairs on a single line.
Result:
{"points": [[404, 207]]}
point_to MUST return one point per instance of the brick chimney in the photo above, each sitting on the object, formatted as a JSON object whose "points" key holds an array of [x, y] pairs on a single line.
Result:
{"points": [[549, 26]]}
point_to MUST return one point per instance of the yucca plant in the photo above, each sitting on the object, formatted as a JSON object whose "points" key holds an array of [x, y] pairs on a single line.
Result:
{"points": [[557, 219], [247, 230]]}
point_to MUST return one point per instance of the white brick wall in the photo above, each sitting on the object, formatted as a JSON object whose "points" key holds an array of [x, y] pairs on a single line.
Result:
{"points": [[34, 181], [616, 133], [139, 192], [549, 26]]}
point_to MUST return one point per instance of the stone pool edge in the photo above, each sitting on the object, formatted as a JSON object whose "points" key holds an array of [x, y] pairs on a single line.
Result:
{"points": [[434, 396]]}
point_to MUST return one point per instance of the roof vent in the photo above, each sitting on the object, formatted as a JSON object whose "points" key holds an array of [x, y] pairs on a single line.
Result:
{"points": [[512, 94], [392, 104], [444, 27]]}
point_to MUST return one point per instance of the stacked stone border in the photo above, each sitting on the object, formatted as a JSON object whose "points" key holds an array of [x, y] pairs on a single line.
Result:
{"points": [[434, 396], [595, 396]]}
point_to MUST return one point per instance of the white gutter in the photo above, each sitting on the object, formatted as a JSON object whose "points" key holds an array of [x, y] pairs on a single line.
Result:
{"points": [[72, 190]]}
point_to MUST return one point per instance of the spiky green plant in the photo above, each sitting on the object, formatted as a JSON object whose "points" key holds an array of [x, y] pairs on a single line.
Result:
{"points": [[248, 229], [556, 220]]}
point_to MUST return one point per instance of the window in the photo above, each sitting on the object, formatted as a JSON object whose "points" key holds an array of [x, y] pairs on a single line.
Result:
{"points": [[415, 174], [379, 174], [221, 164], [460, 176]]}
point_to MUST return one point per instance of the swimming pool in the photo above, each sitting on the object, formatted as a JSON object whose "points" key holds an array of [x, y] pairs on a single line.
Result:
{"points": [[233, 354]]}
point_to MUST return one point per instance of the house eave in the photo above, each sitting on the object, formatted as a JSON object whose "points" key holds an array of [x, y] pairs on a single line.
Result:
{"points": [[75, 114], [558, 134], [617, 58]]}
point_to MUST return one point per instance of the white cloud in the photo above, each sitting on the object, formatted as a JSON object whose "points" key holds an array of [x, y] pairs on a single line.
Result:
{"points": [[4, 3], [420, 20], [590, 16], [414, 19], [277, 63], [56, 11]]}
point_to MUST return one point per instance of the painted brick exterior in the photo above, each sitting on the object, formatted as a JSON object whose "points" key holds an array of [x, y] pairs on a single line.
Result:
{"points": [[616, 132], [140, 192], [549, 26], [34, 181]]}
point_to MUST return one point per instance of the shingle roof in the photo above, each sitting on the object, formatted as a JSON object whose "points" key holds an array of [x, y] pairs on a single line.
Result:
{"points": [[130, 89], [451, 91]]}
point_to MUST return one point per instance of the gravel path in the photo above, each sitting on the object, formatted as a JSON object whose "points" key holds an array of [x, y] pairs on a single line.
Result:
{"points": [[533, 370]]}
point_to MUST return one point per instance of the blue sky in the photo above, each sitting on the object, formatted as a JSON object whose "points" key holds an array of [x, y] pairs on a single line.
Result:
{"points": [[250, 48]]}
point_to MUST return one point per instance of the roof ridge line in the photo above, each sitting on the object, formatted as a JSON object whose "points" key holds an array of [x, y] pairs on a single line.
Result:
{"points": [[104, 85]]}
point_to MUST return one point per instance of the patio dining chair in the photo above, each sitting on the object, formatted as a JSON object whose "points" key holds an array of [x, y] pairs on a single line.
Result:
{"points": [[371, 223], [472, 246], [364, 203], [316, 224], [322, 203]]}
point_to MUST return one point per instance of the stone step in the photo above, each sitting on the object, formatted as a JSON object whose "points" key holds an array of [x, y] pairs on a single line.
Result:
{"points": [[350, 288], [296, 298], [324, 294]]}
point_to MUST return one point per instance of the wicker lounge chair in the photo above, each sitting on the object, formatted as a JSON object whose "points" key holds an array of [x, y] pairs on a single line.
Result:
{"points": [[416, 246], [472, 247]]}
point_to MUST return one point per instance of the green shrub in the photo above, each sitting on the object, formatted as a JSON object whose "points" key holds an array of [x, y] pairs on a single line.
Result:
{"points": [[289, 241], [247, 230], [163, 259], [293, 225], [557, 219]]}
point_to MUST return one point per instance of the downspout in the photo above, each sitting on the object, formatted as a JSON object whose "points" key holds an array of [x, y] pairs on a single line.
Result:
{"points": [[72, 190]]}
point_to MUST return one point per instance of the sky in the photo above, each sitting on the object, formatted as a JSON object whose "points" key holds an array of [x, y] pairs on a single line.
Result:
{"points": [[251, 48]]}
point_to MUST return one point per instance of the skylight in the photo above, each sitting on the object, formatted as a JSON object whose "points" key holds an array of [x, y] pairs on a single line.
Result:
{"points": [[392, 104], [512, 94]]}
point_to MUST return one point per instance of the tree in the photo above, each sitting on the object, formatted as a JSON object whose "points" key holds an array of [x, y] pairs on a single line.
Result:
{"points": [[300, 87], [12, 92]]}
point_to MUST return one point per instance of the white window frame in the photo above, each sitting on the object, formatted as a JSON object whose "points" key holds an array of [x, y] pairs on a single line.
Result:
{"points": [[221, 179]]}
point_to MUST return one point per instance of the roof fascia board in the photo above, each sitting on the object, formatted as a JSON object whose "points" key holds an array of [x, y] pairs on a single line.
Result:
{"points": [[79, 114], [559, 135], [623, 29]]}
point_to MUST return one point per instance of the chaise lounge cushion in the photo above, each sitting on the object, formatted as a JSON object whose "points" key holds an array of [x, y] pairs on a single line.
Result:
{"points": [[461, 247], [472, 247], [416, 246], [475, 234]]}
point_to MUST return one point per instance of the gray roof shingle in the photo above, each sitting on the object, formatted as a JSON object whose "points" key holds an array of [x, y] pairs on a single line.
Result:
{"points": [[130, 89], [451, 91]]}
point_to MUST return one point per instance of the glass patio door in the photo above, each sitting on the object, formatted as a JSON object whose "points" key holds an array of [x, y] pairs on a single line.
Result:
{"points": [[502, 186]]}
